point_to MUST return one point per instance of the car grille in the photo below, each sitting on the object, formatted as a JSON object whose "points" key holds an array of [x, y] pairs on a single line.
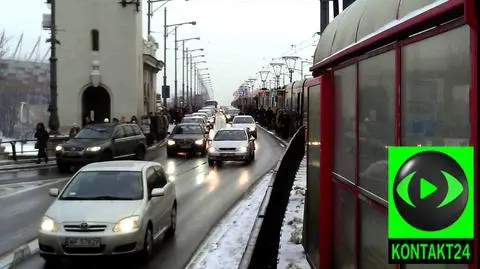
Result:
{"points": [[227, 149], [184, 142], [79, 229], [84, 250], [72, 148]]}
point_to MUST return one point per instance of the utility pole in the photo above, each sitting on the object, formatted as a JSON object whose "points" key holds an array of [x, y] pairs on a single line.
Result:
{"points": [[165, 35], [149, 17], [53, 121], [175, 83], [187, 76], [183, 73], [195, 78], [191, 79]]}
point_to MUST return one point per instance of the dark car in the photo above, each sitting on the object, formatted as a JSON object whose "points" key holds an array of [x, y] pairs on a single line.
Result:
{"points": [[231, 113], [187, 137], [102, 142], [196, 119]]}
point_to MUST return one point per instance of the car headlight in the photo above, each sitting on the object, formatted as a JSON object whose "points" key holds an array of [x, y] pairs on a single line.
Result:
{"points": [[58, 148], [94, 149], [211, 149], [171, 142], [127, 225], [199, 142], [48, 225], [242, 149]]}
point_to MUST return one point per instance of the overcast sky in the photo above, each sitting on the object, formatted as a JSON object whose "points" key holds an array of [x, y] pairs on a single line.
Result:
{"points": [[239, 36]]}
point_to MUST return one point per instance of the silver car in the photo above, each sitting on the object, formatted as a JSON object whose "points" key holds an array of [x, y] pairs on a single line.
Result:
{"points": [[231, 144], [109, 208], [245, 121]]}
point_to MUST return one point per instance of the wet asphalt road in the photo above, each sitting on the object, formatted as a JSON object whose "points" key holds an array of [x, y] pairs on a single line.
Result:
{"points": [[204, 195]]}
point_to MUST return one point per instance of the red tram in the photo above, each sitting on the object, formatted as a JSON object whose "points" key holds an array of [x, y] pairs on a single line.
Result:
{"points": [[404, 76]]}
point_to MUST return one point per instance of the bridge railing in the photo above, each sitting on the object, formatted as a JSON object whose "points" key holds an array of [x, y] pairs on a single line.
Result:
{"points": [[15, 149], [263, 244]]}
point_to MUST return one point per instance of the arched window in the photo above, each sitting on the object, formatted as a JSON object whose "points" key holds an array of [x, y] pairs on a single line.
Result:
{"points": [[95, 40]]}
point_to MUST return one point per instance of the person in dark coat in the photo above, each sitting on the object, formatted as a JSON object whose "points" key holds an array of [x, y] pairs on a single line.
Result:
{"points": [[74, 130], [42, 137]]}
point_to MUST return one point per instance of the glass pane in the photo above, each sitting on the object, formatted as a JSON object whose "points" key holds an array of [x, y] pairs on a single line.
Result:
{"points": [[344, 229], [344, 162], [313, 159], [376, 124], [435, 90], [373, 238]]}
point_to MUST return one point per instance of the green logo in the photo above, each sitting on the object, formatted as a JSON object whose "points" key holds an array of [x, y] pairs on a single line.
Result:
{"points": [[431, 207]]}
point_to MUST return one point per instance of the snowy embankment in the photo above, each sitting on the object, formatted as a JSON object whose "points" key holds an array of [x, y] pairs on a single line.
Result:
{"points": [[224, 246], [291, 253]]}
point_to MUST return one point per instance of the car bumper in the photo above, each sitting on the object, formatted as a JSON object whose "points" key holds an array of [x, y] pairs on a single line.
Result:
{"points": [[228, 156], [78, 158], [53, 244], [185, 148]]}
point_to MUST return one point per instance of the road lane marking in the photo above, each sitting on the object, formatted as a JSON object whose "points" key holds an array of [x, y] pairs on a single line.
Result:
{"points": [[31, 188]]}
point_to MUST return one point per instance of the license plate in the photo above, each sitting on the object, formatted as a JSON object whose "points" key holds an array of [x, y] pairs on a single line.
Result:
{"points": [[228, 154], [185, 147], [82, 242]]}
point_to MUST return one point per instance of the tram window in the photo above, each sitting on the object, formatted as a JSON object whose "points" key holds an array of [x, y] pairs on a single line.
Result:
{"points": [[344, 232], [435, 90], [373, 238], [376, 121], [344, 149]]}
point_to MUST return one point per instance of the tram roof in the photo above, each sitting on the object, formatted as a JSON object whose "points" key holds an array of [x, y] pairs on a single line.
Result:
{"points": [[361, 19]]}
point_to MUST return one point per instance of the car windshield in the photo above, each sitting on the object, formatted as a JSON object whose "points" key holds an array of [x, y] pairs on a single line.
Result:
{"points": [[243, 120], [209, 113], [187, 129], [200, 115], [192, 120], [233, 112], [230, 135], [105, 185], [91, 132]]}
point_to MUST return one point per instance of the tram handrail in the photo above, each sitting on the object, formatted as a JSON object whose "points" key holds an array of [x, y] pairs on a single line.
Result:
{"points": [[264, 240]]}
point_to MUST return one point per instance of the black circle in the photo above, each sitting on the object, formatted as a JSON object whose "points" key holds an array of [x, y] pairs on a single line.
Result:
{"points": [[425, 215]]}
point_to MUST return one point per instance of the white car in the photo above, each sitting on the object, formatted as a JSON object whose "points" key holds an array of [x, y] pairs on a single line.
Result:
{"points": [[231, 144], [247, 122], [210, 114], [204, 115], [109, 208]]}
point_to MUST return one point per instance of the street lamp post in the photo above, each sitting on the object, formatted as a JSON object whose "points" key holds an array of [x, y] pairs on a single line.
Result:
{"points": [[291, 61], [184, 52], [277, 70], [150, 12], [264, 76], [191, 74], [187, 53], [53, 121], [165, 88]]}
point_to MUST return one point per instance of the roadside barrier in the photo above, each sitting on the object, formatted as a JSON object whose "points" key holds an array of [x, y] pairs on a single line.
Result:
{"points": [[262, 247]]}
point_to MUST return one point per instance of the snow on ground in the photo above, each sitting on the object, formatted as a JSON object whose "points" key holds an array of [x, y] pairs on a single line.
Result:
{"points": [[291, 254], [224, 246]]}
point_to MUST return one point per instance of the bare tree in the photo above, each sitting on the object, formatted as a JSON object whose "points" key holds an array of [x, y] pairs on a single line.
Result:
{"points": [[4, 49]]}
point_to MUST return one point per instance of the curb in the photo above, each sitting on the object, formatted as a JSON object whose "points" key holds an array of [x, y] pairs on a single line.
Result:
{"points": [[193, 259], [271, 133], [19, 255]]}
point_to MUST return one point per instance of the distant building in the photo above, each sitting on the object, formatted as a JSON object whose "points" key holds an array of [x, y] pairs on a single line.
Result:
{"points": [[24, 95]]}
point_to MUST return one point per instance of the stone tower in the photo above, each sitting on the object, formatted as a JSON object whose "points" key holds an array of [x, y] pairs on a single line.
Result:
{"points": [[100, 60]]}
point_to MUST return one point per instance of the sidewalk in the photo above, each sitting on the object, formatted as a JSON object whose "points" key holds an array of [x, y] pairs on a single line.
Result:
{"points": [[291, 253]]}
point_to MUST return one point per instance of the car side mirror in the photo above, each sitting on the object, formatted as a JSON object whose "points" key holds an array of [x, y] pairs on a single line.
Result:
{"points": [[157, 192], [53, 192]]}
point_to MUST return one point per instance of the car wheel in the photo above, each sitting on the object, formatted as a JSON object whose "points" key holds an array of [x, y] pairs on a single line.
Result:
{"points": [[170, 154], [51, 262], [211, 163], [173, 222], [147, 250], [140, 154]]}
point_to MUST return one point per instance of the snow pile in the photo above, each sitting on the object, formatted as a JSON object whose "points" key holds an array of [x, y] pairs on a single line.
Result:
{"points": [[291, 254], [224, 246]]}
